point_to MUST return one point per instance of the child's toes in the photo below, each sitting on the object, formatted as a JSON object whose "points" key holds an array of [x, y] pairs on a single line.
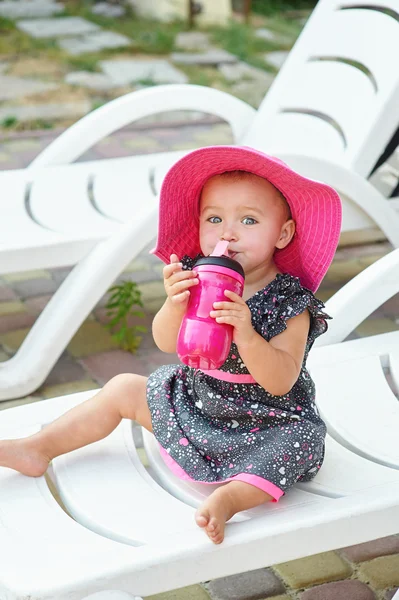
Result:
{"points": [[202, 518]]}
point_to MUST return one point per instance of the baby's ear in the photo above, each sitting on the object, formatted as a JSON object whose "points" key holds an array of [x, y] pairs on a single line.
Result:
{"points": [[286, 234]]}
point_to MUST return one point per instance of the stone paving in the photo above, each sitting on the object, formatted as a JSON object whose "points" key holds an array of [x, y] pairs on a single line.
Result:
{"points": [[51, 96], [364, 572]]}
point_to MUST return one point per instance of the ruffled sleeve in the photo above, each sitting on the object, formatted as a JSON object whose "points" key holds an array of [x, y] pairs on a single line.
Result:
{"points": [[188, 262], [284, 299]]}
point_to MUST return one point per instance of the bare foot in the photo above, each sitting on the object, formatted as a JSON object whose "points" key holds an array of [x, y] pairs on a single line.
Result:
{"points": [[17, 455], [213, 514]]}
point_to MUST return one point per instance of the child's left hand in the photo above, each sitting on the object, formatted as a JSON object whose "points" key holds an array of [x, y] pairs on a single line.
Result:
{"points": [[236, 313]]}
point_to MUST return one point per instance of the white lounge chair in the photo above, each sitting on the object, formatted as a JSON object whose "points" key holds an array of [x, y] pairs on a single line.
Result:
{"points": [[133, 532], [53, 213]]}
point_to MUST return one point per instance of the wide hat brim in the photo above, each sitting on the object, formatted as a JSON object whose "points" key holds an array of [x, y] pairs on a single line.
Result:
{"points": [[315, 208]]}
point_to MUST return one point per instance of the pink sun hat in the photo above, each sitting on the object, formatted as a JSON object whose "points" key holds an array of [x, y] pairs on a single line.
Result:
{"points": [[315, 208]]}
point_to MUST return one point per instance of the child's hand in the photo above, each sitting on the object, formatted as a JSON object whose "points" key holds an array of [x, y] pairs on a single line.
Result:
{"points": [[236, 313], [177, 282]]}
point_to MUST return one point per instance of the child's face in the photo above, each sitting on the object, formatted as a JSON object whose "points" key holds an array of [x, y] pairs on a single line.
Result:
{"points": [[250, 214]]}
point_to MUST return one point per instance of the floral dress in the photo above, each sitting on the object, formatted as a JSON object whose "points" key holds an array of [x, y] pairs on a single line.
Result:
{"points": [[211, 430]]}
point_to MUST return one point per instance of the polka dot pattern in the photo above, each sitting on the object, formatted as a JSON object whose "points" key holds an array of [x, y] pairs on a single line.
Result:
{"points": [[217, 429]]}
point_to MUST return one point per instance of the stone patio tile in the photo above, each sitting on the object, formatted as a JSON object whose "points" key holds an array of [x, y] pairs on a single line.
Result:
{"points": [[152, 290], [144, 143], [48, 28], [36, 304], [3, 356], [105, 365], [71, 387], [382, 572], [9, 308], [321, 568], [7, 294], [350, 590], [193, 592], [27, 275], [277, 59], [254, 585], [128, 71], [108, 10], [370, 259], [93, 42], [391, 307], [91, 81], [374, 326], [369, 550], [210, 58], [192, 40], [325, 294], [65, 370], [19, 402], [18, 87], [13, 339], [29, 9], [184, 145], [343, 270], [60, 274], [49, 112], [34, 287], [16, 321], [390, 594], [91, 338]]}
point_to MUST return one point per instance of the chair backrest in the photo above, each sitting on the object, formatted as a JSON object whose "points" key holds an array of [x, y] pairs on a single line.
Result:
{"points": [[337, 95]]}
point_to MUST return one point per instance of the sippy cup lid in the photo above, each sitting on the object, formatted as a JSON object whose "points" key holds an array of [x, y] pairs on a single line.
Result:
{"points": [[221, 261]]}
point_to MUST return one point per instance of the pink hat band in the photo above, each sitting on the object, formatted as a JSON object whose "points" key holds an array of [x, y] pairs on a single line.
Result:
{"points": [[315, 208]]}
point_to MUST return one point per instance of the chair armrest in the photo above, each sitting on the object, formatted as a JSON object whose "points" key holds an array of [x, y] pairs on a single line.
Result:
{"points": [[360, 297]]}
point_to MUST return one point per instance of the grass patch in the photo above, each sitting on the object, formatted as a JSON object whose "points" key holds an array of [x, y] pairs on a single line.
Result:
{"points": [[240, 40], [148, 37], [15, 42]]}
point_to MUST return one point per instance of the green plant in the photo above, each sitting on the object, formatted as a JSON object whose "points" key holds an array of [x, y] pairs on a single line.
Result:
{"points": [[9, 122], [120, 306], [269, 7]]}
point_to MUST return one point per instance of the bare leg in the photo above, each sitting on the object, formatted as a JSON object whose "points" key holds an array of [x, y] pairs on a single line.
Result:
{"points": [[224, 503], [124, 396]]}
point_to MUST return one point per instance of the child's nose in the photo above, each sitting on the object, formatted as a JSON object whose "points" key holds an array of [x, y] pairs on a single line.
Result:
{"points": [[229, 235]]}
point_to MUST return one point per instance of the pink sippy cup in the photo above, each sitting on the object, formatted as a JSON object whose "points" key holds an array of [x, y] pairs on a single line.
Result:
{"points": [[202, 342]]}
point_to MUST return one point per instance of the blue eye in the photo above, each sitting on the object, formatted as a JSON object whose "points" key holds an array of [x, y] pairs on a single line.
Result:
{"points": [[249, 221], [215, 220]]}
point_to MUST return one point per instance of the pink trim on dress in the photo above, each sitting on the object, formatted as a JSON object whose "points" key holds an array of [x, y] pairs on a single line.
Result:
{"points": [[263, 484], [226, 376]]}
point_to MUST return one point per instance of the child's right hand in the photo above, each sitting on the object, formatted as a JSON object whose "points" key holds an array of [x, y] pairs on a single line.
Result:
{"points": [[177, 282]]}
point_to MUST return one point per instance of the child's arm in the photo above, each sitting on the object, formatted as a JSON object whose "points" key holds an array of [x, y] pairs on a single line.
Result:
{"points": [[166, 323], [275, 365]]}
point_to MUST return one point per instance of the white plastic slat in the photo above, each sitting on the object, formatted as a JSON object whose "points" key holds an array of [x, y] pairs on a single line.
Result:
{"points": [[131, 507], [75, 562], [42, 549], [382, 345], [60, 201], [347, 34], [314, 87], [15, 222], [121, 185], [344, 473], [303, 134], [359, 407]]}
